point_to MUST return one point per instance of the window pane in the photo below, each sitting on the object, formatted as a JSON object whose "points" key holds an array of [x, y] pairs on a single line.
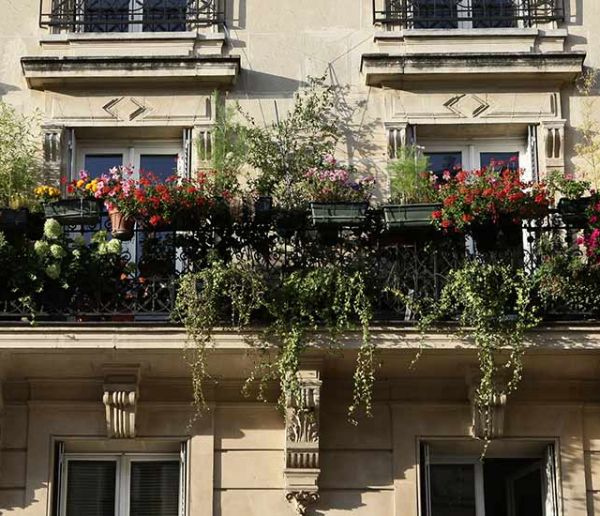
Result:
{"points": [[106, 15], [442, 161], [452, 490], [161, 165], [435, 14], [494, 13], [98, 164], [164, 15], [499, 160], [154, 488], [91, 488]]}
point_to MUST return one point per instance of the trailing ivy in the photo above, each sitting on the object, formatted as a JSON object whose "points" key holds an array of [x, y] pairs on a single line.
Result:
{"points": [[309, 305], [494, 305]]}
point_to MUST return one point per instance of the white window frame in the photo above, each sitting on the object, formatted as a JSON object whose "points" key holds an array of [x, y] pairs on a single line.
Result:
{"points": [[131, 150], [471, 150], [551, 497], [122, 476]]}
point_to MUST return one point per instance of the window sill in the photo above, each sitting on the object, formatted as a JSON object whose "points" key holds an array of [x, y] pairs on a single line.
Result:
{"points": [[68, 37]]}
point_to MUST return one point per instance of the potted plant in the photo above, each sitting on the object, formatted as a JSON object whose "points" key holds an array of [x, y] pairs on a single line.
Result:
{"points": [[490, 205], [591, 236], [336, 198], [19, 168], [81, 207], [122, 198], [412, 192], [573, 205]]}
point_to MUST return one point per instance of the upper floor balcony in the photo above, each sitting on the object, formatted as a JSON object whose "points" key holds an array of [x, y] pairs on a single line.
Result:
{"points": [[467, 14]]}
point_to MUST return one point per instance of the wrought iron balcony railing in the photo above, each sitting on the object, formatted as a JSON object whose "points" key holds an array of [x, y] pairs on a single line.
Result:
{"points": [[455, 14], [415, 266], [129, 15]]}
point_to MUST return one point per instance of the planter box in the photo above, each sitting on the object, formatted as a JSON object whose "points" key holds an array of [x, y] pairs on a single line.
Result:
{"points": [[70, 212], [409, 216], [14, 221], [573, 211], [339, 213], [492, 237]]}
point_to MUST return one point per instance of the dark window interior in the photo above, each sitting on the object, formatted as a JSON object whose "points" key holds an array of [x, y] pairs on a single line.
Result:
{"points": [[500, 160], [442, 161], [106, 15]]}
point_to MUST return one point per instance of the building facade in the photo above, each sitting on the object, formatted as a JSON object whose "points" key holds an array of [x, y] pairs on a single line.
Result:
{"points": [[96, 418]]}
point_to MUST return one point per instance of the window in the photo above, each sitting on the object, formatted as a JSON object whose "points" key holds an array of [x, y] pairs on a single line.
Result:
{"points": [[134, 15], [464, 14], [504, 484], [121, 485], [512, 153]]}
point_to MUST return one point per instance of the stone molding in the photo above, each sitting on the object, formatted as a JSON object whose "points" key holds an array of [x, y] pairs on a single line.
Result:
{"points": [[302, 440], [120, 398]]}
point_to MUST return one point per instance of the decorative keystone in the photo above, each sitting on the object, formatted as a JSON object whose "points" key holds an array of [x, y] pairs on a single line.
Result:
{"points": [[121, 394], [302, 441]]}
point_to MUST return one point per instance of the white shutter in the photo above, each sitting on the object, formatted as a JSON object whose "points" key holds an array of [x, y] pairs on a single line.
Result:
{"points": [[549, 487], [184, 163], [532, 150], [183, 476]]}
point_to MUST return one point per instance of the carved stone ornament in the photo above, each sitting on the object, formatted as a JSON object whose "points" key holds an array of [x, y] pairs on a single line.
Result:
{"points": [[302, 441], [120, 398], [488, 423]]}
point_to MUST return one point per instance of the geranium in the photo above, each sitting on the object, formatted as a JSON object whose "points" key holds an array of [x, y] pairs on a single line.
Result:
{"points": [[489, 196], [334, 182], [83, 187]]}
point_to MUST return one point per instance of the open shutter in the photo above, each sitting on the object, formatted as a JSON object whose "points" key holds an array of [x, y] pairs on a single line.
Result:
{"points": [[549, 489], [183, 453], [426, 460], [185, 159], [532, 148]]}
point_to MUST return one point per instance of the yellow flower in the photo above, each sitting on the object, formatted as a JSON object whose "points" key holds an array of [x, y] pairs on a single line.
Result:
{"points": [[80, 183]]}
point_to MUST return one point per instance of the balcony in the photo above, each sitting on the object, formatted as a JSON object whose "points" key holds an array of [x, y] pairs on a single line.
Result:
{"points": [[476, 14], [141, 286], [129, 15]]}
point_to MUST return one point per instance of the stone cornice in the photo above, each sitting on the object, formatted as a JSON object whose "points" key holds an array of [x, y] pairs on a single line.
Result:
{"points": [[567, 336]]}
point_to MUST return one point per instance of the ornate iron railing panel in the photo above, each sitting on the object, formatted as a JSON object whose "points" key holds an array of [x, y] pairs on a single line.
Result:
{"points": [[129, 15], [454, 14], [417, 267]]}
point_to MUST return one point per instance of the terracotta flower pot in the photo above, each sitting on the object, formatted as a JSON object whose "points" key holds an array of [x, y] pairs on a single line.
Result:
{"points": [[122, 226]]}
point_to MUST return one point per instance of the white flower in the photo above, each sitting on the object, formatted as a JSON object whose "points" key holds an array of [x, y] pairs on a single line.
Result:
{"points": [[57, 251], [52, 229], [41, 248], [53, 271]]}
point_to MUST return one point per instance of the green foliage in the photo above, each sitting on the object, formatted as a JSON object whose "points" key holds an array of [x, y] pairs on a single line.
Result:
{"points": [[409, 179], [588, 146], [19, 157], [495, 308], [285, 149], [228, 147], [559, 183], [307, 303]]}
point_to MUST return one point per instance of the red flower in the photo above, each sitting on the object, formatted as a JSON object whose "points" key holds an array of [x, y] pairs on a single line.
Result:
{"points": [[446, 224], [436, 215], [155, 220], [467, 218]]}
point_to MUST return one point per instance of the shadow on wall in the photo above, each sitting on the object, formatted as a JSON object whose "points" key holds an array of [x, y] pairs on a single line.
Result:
{"points": [[6, 88], [235, 14]]}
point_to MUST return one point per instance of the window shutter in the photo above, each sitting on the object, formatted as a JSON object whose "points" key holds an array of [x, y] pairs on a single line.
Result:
{"points": [[185, 161], [183, 453], [91, 488], [549, 487], [154, 489], [532, 143]]}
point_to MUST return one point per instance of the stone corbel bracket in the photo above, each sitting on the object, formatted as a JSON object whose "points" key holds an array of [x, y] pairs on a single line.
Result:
{"points": [[302, 441], [488, 424], [120, 398]]}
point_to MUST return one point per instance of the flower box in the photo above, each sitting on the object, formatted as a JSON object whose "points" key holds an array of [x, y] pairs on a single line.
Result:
{"points": [[14, 221], [338, 213], [574, 211], [70, 212], [121, 225], [263, 209], [289, 221], [503, 235], [409, 216]]}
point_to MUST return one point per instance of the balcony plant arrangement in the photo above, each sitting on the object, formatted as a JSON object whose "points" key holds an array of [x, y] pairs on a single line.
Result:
{"points": [[120, 193], [81, 205], [573, 204], [490, 205], [338, 197], [590, 239], [413, 195]]}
